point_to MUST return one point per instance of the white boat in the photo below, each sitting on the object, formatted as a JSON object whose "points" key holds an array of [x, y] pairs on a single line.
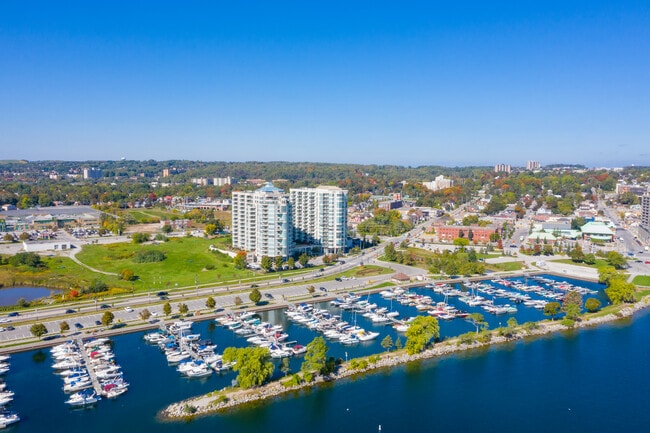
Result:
{"points": [[199, 371], [77, 386], [5, 400], [4, 358], [82, 398], [7, 418]]}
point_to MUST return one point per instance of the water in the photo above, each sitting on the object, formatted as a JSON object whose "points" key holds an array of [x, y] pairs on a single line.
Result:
{"points": [[588, 380], [11, 295]]}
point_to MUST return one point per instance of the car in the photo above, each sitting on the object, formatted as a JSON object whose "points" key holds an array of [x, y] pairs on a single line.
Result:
{"points": [[10, 328], [254, 286], [647, 262], [323, 289], [268, 295], [69, 311], [321, 270], [13, 314], [98, 322], [104, 306], [5, 320], [338, 279], [162, 294], [2, 329], [286, 280], [78, 325], [128, 309]]}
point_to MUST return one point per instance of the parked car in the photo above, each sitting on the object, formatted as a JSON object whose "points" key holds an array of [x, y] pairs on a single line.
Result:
{"points": [[98, 322], [128, 309], [78, 325]]}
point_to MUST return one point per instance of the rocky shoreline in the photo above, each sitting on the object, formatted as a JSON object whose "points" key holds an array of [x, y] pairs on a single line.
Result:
{"points": [[228, 398]]}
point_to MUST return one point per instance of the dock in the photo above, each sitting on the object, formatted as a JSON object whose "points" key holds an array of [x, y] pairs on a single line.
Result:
{"points": [[91, 372]]}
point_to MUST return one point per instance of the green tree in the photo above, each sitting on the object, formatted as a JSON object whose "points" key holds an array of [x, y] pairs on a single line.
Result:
{"points": [[592, 305], [607, 273], [461, 242], [420, 333], [552, 309], [210, 302], [389, 252], [616, 260], [266, 263], [311, 289], [315, 356], [620, 291], [398, 344], [253, 365], [107, 318], [278, 262], [572, 304], [183, 308], [303, 259], [590, 259], [127, 275], [255, 296], [167, 308], [138, 238], [387, 343], [167, 229], [285, 366], [577, 255], [210, 229], [291, 263], [38, 330], [8, 237], [478, 320], [64, 327]]}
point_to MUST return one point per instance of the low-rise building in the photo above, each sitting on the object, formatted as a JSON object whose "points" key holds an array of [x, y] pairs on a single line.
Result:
{"points": [[598, 231], [474, 233]]}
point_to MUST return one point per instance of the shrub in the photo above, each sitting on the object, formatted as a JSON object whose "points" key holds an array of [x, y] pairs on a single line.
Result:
{"points": [[96, 286], [467, 338], [31, 260], [139, 238], [149, 256], [308, 376], [568, 323]]}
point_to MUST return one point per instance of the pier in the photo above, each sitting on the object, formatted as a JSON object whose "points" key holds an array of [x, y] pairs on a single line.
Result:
{"points": [[91, 371]]}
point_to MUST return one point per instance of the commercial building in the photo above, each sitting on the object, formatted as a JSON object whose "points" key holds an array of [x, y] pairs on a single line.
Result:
{"points": [[92, 173], [598, 231], [262, 222], [320, 217], [475, 234], [638, 190]]}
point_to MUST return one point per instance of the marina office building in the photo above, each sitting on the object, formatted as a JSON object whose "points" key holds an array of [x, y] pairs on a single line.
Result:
{"points": [[269, 222]]}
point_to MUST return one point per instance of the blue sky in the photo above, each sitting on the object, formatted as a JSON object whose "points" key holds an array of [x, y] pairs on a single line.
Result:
{"points": [[432, 83]]}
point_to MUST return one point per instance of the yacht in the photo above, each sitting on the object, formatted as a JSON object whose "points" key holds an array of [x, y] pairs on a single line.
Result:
{"points": [[82, 398], [7, 418]]}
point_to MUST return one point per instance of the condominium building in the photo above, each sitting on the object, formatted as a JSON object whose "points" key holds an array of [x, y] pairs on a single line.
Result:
{"points": [[261, 222], [438, 183], [532, 165], [502, 168], [645, 210], [320, 217]]}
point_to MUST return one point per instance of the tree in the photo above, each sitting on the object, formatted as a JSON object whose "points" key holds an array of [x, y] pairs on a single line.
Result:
{"points": [[38, 330], [592, 305], [616, 260], [315, 356], [252, 363], [64, 327], [266, 263], [238, 301], [127, 275], [145, 314], [303, 259], [590, 259], [398, 343], [285, 366], [210, 302], [420, 333], [183, 308], [620, 291], [387, 343], [291, 263], [552, 309], [239, 261], [107, 318], [607, 273], [255, 296], [389, 252], [461, 242], [138, 238], [278, 262], [478, 320], [167, 229], [311, 290], [167, 308], [577, 255], [210, 229], [8, 237], [572, 304]]}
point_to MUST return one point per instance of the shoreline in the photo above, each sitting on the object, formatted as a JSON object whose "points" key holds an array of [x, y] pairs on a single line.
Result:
{"points": [[228, 398]]}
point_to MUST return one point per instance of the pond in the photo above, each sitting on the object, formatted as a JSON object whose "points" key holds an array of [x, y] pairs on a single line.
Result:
{"points": [[11, 295]]}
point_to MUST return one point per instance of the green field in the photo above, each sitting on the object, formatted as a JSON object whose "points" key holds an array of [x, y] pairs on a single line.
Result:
{"points": [[642, 280], [504, 267], [188, 261], [599, 263]]}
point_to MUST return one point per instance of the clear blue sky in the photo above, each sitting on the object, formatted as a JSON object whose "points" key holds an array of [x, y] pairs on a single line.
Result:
{"points": [[449, 83]]}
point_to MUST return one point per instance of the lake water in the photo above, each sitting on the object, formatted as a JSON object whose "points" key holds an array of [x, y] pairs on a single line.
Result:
{"points": [[11, 295], [591, 380]]}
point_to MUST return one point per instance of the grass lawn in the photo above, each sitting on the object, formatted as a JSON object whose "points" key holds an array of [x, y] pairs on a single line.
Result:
{"points": [[505, 266], [60, 273], [642, 280], [599, 263], [187, 261]]}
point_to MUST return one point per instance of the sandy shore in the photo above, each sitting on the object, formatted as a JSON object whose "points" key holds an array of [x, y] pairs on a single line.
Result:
{"points": [[232, 397]]}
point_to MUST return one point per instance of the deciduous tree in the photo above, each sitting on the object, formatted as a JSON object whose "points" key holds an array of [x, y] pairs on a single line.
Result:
{"points": [[420, 333], [252, 363]]}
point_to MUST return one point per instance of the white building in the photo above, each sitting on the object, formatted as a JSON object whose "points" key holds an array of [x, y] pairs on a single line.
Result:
{"points": [[261, 222], [92, 173], [221, 181], [532, 165], [439, 183], [320, 217]]}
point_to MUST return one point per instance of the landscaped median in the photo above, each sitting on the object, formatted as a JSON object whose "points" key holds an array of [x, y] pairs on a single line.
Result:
{"points": [[222, 400]]}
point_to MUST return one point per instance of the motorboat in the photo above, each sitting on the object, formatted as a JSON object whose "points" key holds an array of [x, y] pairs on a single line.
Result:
{"points": [[7, 418], [83, 398]]}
